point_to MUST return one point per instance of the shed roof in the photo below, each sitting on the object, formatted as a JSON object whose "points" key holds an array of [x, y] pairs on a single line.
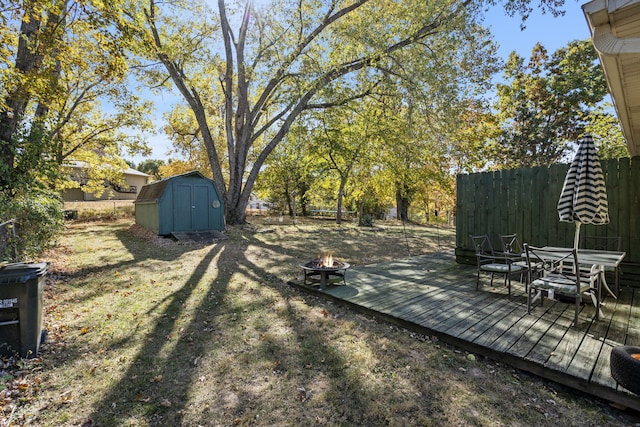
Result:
{"points": [[615, 31], [152, 192]]}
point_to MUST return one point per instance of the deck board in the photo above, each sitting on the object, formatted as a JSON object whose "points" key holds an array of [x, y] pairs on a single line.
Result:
{"points": [[616, 334], [437, 296]]}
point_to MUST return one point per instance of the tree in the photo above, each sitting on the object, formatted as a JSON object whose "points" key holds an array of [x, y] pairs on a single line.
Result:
{"points": [[175, 167], [29, 71], [344, 140], [547, 103], [419, 158], [276, 65], [607, 133], [290, 171], [68, 62], [152, 167], [431, 124]]}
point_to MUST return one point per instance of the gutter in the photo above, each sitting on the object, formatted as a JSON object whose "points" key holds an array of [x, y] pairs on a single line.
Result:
{"points": [[608, 44]]}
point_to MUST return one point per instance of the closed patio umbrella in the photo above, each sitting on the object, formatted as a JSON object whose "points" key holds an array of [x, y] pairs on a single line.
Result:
{"points": [[584, 196]]}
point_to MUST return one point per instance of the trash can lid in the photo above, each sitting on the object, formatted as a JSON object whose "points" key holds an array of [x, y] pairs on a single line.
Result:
{"points": [[21, 272]]}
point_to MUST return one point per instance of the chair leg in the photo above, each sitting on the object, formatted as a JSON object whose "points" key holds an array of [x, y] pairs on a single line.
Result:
{"points": [[599, 298], [508, 283]]}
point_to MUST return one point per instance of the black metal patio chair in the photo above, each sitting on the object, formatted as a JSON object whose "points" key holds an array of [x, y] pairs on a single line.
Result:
{"points": [[560, 277], [493, 262], [512, 247]]}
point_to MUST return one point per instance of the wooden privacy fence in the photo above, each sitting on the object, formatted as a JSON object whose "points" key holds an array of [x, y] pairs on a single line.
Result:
{"points": [[524, 201]]}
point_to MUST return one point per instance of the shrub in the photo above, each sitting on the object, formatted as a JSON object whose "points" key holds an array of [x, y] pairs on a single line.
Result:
{"points": [[39, 219], [365, 221]]}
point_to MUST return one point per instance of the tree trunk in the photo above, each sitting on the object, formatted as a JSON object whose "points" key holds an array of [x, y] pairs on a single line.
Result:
{"points": [[303, 188], [288, 198], [236, 215], [17, 99], [39, 134], [343, 182], [402, 206]]}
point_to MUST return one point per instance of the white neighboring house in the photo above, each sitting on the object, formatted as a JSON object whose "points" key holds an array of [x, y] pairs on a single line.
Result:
{"points": [[392, 213], [257, 206], [134, 178]]}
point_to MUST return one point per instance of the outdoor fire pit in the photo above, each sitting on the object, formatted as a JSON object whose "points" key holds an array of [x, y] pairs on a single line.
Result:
{"points": [[324, 270]]}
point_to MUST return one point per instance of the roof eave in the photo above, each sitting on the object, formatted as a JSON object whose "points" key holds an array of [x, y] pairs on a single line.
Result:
{"points": [[610, 49]]}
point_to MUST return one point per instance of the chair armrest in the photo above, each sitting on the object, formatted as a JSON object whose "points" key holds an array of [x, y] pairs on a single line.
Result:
{"points": [[593, 271], [511, 256], [487, 258]]}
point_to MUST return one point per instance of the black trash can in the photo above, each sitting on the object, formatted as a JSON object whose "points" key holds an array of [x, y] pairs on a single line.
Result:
{"points": [[21, 287]]}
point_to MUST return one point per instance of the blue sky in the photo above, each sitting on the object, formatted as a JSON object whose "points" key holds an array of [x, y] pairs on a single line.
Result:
{"points": [[552, 33]]}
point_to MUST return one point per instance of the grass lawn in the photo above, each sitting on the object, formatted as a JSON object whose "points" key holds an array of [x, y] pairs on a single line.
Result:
{"points": [[144, 331]]}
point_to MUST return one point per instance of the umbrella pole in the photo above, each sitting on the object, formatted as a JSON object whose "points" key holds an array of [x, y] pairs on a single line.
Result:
{"points": [[577, 237]]}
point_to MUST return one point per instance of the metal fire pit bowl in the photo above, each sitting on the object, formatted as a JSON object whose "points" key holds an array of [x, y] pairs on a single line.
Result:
{"points": [[315, 272]]}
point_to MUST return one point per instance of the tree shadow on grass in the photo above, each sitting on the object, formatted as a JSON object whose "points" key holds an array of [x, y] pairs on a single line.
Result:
{"points": [[154, 374], [182, 365], [229, 314], [148, 257]]}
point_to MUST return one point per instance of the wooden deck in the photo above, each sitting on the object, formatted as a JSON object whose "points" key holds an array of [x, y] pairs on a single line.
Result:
{"points": [[434, 295]]}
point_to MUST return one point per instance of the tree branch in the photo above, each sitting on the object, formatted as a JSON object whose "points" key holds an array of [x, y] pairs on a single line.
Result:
{"points": [[191, 96]]}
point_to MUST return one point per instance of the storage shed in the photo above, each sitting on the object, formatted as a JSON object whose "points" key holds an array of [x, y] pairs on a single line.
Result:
{"points": [[183, 203]]}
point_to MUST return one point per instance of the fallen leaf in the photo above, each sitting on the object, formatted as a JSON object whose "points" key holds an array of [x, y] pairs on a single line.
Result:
{"points": [[66, 397], [303, 394], [140, 398], [166, 403]]}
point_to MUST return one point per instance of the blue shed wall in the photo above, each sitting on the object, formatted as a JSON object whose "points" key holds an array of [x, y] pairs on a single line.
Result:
{"points": [[189, 203]]}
